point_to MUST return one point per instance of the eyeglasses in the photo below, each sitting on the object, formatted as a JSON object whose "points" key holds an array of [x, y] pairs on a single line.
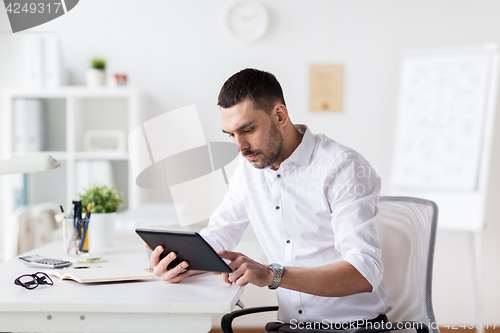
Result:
{"points": [[31, 281]]}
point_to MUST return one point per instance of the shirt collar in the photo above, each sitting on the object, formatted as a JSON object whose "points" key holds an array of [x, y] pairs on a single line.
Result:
{"points": [[302, 154]]}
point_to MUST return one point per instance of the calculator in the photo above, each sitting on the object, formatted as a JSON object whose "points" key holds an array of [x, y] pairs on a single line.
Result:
{"points": [[37, 261]]}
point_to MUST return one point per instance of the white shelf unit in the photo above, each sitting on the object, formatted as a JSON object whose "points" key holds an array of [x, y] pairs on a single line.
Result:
{"points": [[69, 112]]}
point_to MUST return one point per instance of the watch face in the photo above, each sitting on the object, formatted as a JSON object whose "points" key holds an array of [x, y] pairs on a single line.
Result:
{"points": [[275, 266], [246, 20]]}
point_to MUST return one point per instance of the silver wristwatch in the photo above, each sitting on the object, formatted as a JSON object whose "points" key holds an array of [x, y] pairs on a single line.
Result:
{"points": [[278, 271]]}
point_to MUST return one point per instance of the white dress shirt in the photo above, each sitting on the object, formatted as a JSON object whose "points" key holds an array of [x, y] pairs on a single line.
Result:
{"points": [[319, 207]]}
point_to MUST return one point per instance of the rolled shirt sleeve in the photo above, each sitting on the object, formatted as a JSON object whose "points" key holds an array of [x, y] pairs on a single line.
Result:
{"points": [[353, 195]]}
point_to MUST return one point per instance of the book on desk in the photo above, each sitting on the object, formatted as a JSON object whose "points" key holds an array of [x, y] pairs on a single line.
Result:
{"points": [[96, 275]]}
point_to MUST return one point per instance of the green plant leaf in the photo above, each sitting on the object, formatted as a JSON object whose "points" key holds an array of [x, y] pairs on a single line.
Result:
{"points": [[102, 198], [99, 63]]}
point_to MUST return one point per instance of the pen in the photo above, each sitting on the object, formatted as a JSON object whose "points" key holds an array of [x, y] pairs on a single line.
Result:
{"points": [[75, 208], [84, 245], [85, 241], [75, 215], [87, 211], [79, 218]]}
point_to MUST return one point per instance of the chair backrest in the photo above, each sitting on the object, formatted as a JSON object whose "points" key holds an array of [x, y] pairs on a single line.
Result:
{"points": [[29, 227], [407, 233]]}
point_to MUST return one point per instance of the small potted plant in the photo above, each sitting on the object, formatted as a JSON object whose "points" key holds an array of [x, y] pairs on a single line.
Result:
{"points": [[96, 75], [104, 202]]}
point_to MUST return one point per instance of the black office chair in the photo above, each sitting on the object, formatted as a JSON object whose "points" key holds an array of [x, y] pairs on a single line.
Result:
{"points": [[407, 234]]}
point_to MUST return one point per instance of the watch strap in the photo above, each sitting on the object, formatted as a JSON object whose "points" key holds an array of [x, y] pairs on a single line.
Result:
{"points": [[278, 271]]}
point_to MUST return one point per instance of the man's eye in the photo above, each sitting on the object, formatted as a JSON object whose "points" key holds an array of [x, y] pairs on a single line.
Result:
{"points": [[249, 130], [231, 135]]}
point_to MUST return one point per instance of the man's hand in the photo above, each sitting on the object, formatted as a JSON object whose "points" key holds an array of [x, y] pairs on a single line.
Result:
{"points": [[246, 270], [174, 275]]}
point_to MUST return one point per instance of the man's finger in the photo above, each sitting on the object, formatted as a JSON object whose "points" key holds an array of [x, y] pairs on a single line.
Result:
{"points": [[163, 264], [225, 278], [243, 280], [178, 278], [236, 275], [228, 255], [234, 265], [155, 256], [179, 269]]}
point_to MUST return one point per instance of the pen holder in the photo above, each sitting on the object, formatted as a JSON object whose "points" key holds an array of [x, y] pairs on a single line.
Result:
{"points": [[76, 237]]}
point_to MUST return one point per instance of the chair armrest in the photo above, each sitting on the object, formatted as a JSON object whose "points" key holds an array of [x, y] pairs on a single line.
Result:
{"points": [[227, 321], [395, 326]]}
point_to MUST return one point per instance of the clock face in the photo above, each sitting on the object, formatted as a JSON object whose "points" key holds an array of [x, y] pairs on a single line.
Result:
{"points": [[247, 20]]}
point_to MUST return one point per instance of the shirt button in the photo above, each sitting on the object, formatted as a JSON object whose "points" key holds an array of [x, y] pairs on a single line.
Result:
{"points": [[279, 176], [277, 207], [300, 311], [288, 241]]}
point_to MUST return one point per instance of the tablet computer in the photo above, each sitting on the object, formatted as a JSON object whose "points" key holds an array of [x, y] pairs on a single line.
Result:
{"points": [[189, 246]]}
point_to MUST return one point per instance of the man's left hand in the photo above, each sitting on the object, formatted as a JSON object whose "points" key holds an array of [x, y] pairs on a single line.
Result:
{"points": [[246, 270]]}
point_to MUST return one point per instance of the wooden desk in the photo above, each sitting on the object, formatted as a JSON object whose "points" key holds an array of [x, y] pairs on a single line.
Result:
{"points": [[145, 306]]}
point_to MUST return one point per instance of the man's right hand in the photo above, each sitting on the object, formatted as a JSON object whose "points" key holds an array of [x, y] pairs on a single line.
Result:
{"points": [[174, 275]]}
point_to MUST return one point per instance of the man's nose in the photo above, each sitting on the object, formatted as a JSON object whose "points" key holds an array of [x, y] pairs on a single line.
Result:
{"points": [[241, 142]]}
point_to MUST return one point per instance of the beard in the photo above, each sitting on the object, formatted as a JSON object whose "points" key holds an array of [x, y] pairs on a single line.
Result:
{"points": [[270, 155]]}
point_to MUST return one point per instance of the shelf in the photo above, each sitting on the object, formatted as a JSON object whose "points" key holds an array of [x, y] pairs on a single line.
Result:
{"points": [[70, 91], [58, 155], [91, 155]]}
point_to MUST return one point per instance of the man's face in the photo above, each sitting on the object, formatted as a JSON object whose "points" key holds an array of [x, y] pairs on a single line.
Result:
{"points": [[255, 132]]}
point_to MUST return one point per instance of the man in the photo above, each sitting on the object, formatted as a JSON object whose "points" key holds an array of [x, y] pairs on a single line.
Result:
{"points": [[312, 203]]}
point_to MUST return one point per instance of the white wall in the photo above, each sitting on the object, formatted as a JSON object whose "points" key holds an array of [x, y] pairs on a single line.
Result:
{"points": [[178, 54]]}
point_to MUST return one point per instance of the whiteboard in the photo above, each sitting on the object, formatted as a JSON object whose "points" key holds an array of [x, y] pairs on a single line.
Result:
{"points": [[444, 130]]}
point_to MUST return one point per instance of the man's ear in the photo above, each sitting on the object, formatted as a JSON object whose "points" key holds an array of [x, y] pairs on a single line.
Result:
{"points": [[281, 114]]}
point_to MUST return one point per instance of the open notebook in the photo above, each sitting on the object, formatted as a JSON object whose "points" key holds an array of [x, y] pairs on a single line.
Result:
{"points": [[92, 275]]}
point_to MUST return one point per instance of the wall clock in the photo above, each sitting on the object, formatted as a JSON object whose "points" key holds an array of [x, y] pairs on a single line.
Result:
{"points": [[246, 20]]}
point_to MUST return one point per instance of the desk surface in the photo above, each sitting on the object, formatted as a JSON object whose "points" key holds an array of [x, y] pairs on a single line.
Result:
{"points": [[202, 294]]}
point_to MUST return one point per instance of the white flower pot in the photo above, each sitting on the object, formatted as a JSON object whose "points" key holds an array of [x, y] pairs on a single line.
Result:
{"points": [[101, 231], [95, 77]]}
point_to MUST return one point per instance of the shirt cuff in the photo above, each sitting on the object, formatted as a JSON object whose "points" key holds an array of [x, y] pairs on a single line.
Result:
{"points": [[368, 267]]}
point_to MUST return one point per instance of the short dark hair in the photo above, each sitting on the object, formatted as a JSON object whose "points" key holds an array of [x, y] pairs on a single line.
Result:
{"points": [[262, 88]]}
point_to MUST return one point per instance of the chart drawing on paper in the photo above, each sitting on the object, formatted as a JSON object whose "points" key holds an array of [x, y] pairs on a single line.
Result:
{"points": [[442, 107]]}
